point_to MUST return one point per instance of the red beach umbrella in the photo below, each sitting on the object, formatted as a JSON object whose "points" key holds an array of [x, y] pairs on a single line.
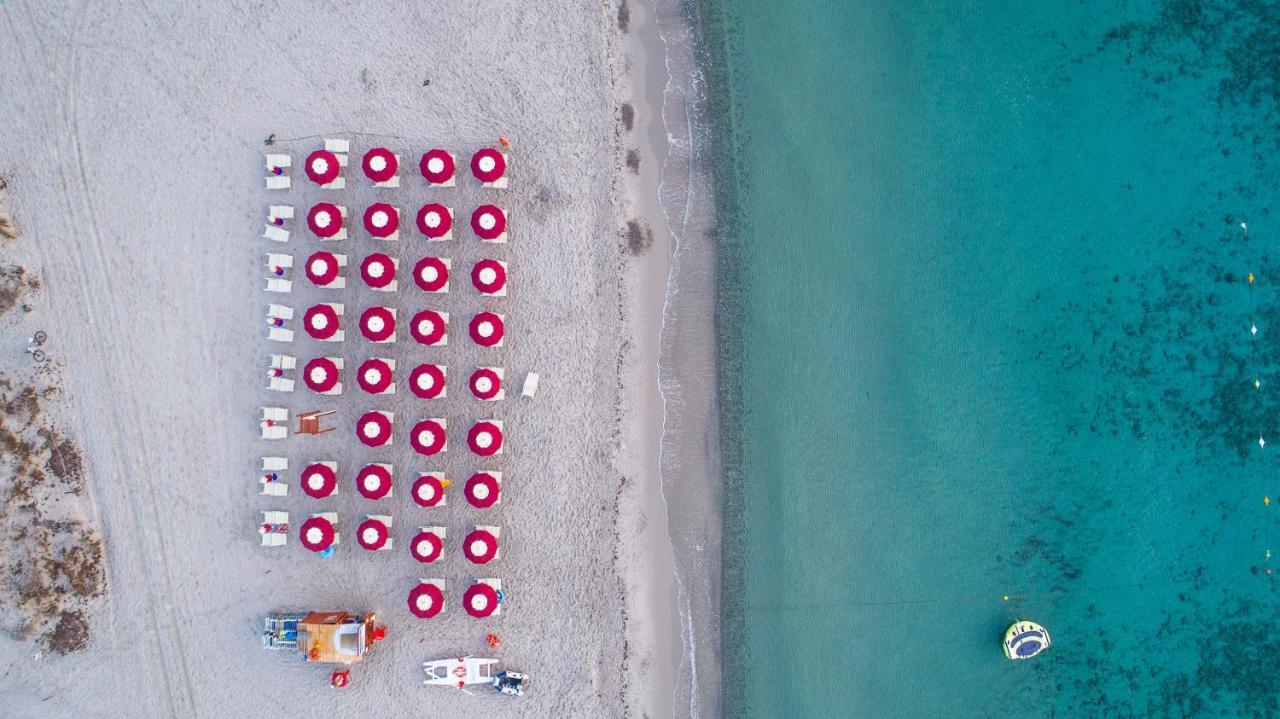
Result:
{"points": [[428, 491], [485, 383], [322, 268], [374, 429], [381, 220], [431, 274], [320, 374], [485, 438], [480, 600], [374, 375], [428, 437], [324, 219], [489, 276], [374, 481], [426, 546], [322, 167], [428, 327], [486, 329], [372, 534], [319, 480], [434, 220], [316, 534], [380, 164], [482, 490], [425, 600], [378, 324], [488, 222], [427, 381], [378, 270], [480, 546], [488, 165], [321, 321], [436, 166]]}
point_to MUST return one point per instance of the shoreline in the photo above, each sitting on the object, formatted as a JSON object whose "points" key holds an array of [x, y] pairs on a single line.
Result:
{"points": [[688, 374]]}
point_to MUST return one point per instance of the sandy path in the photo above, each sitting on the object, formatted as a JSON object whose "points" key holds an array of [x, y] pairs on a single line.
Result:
{"points": [[134, 155]]}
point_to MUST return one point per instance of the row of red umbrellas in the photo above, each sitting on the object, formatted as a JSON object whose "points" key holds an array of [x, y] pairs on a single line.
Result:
{"points": [[437, 166], [375, 376], [429, 436], [479, 600], [428, 327], [374, 481], [382, 220], [431, 274]]}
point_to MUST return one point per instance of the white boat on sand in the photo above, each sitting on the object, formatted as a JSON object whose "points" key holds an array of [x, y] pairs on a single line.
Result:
{"points": [[461, 671]]}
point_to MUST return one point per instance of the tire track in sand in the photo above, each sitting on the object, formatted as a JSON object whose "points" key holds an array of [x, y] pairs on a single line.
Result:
{"points": [[60, 113]]}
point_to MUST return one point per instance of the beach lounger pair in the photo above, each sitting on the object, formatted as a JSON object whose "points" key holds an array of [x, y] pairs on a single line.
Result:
{"points": [[339, 148], [274, 423], [273, 487], [279, 334], [279, 285], [281, 181], [274, 529]]}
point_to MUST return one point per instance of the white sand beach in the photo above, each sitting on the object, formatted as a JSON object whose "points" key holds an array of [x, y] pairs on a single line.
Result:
{"points": [[133, 151]]}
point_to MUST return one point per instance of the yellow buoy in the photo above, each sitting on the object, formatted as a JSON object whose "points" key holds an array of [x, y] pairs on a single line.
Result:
{"points": [[1250, 278], [1266, 500]]}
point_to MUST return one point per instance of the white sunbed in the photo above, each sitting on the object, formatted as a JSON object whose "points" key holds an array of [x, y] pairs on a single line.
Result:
{"points": [[274, 539], [275, 464], [392, 183], [337, 146], [283, 212], [530, 385], [275, 414], [280, 334], [278, 182], [385, 519], [337, 184], [284, 312], [280, 384], [340, 260], [276, 233], [497, 587], [276, 285], [337, 284], [283, 362], [273, 489], [275, 260], [278, 160], [277, 432], [333, 519], [340, 235]]}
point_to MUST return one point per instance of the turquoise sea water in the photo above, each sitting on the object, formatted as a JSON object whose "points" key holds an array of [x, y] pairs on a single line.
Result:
{"points": [[985, 327]]}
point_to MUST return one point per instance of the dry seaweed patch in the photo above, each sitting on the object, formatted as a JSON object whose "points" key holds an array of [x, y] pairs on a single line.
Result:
{"points": [[53, 565], [14, 285], [639, 238]]}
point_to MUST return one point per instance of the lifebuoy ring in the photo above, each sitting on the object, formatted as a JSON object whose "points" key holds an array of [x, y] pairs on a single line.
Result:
{"points": [[459, 672]]}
